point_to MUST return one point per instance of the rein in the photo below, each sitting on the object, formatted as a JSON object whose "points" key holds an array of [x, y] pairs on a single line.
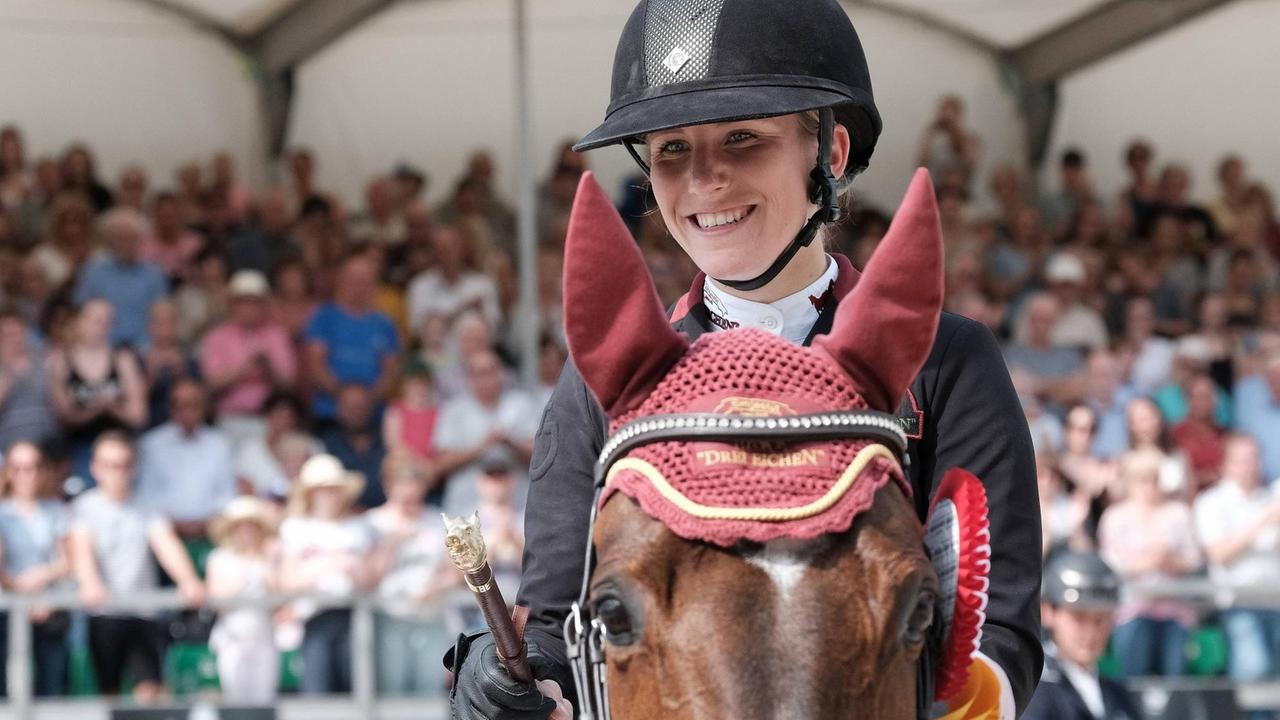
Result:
{"points": [[584, 635]]}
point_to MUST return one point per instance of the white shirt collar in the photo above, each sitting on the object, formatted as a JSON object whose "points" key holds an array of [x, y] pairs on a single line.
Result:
{"points": [[791, 317], [1087, 686]]}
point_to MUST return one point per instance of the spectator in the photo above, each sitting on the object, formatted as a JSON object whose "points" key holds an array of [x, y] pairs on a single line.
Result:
{"points": [[1038, 366], [293, 303], [26, 408], [356, 440], [948, 148], [1199, 436], [500, 515], [111, 534], [302, 170], [1075, 189], [1238, 520], [32, 214], [170, 245], [413, 570], [233, 194], [1063, 510], [348, 342], [241, 568], [470, 333], [131, 190], [450, 288], [186, 468], [323, 550], [190, 193], [409, 424], [1080, 326], [70, 238], [1191, 358], [1173, 191], [1176, 270], [1257, 412], [319, 235], [266, 244], [79, 174], [15, 179], [95, 388], [247, 357], [489, 420], [261, 460], [1233, 182], [129, 283], [1152, 355], [34, 292], [34, 535], [164, 359], [1221, 341], [410, 183], [1140, 195], [203, 302], [380, 223], [1078, 465], [1149, 538], [551, 359]]}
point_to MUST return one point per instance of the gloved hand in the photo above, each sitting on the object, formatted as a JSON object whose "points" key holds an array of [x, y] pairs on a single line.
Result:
{"points": [[482, 689]]}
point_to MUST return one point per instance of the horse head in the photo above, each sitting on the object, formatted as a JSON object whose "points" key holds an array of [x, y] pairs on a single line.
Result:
{"points": [[757, 578]]}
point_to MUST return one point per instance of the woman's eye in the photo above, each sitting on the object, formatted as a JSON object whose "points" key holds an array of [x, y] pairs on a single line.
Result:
{"points": [[740, 136], [671, 147]]}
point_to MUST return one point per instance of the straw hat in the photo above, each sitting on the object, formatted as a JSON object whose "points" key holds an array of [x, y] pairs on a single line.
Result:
{"points": [[327, 471], [243, 508]]}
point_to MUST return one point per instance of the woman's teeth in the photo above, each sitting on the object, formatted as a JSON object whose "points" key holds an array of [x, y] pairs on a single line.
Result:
{"points": [[710, 220]]}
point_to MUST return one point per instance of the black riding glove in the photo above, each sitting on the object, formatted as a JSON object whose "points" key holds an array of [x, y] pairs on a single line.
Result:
{"points": [[482, 689]]}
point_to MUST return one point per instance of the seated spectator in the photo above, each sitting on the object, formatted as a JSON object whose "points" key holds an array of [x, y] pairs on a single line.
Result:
{"points": [[1177, 272], [1081, 594], [323, 550], [242, 568], [1148, 431], [1038, 366], [380, 222], [1108, 399], [1149, 538], [293, 302], [487, 420], [1152, 355], [263, 461], [350, 343], [69, 238], [1191, 358], [1075, 189], [26, 409], [164, 359], [414, 569], [1238, 520], [1079, 466], [551, 358], [170, 245], [356, 440], [94, 387], [123, 278], [112, 537], [468, 334], [1199, 436], [1079, 326], [451, 288], [265, 244], [247, 358], [409, 424], [34, 536], [500, 515], [1063, 510], [185, 466], [1257, 403], [234, 194], [203, 302], [131, 188], [1221, 341], [79, 173]]}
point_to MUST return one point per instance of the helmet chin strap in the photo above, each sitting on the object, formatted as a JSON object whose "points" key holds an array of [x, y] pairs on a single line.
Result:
{"points": [[823, 190]]}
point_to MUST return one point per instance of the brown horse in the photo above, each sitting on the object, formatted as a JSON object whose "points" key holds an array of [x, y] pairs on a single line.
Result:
{"points": [[754, 578]]}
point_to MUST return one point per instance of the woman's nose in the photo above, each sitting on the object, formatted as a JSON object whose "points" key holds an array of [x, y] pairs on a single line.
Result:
{"points": [[708, 171]]}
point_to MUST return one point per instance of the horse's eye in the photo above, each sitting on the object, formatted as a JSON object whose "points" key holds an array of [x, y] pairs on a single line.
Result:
{"points": [[617, 621], [921, 618]]}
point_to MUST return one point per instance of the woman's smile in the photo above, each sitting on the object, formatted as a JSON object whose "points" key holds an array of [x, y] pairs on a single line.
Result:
{"points": [[721, 221]]}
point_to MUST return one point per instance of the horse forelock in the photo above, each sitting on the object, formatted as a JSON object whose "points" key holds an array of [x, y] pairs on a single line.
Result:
{"points": [[752, 373]]}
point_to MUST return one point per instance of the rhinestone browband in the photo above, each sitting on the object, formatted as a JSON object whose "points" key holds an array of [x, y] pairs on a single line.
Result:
{"points": [[868, 424]]}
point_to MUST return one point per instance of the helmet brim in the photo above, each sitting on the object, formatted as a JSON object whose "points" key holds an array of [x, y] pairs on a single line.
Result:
{"points": [[710, 105]]}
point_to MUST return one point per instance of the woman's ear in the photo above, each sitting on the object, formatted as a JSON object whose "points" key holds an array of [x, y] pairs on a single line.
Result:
{"points": [[840, 145]]}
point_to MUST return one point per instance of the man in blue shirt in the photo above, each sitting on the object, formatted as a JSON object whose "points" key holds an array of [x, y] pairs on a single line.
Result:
{"points": [[122, 278], [348, 342], [1257, 406]]}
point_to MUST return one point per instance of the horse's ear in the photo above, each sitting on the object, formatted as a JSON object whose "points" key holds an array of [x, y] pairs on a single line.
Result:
{"points": [[883, 331], [619, 335]]}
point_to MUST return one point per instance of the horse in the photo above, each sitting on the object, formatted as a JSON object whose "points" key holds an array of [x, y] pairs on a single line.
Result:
{"points": [[756, 552]]}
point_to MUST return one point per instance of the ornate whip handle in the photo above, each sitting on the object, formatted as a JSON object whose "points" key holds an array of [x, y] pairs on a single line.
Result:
{"points": [[467, 551]]}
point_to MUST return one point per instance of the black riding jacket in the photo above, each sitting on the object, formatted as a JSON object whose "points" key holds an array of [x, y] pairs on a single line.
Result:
{"points": [[960, 411]]}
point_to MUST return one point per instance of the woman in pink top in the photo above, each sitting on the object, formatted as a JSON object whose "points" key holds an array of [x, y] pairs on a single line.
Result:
{"points": [[409, 424], [170, 244], [1149, 538]]}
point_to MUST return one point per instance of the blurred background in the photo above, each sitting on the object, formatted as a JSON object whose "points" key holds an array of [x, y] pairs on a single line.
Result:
{"points": [[280, 279]]}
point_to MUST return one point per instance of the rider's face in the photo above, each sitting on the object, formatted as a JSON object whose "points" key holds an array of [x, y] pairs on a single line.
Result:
{"points": [[734, 194]]}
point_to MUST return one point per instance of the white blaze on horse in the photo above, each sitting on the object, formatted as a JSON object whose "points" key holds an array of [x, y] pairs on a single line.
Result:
{"points": [[755, 551]]}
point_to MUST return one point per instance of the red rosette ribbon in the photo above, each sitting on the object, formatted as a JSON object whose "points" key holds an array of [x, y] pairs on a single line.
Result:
{"points": [[958, 535]]}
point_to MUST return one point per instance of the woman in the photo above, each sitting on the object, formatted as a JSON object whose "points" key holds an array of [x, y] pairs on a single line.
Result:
{"points": [[33, 531], [95, 388], [748, 138]]}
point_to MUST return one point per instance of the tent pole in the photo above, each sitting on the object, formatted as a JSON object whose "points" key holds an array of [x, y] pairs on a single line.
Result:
{"points": [[527, 318]]}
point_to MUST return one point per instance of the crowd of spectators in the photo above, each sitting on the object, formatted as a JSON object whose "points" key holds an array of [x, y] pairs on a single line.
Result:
{"points": [[243, 393]]}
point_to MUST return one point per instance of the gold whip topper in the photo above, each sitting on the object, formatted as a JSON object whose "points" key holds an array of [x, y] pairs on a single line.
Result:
{"points": [[467, 551]]}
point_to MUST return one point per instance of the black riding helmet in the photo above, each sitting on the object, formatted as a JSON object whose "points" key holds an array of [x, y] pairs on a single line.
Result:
{"points": [[1082, 580], [690, 62]]}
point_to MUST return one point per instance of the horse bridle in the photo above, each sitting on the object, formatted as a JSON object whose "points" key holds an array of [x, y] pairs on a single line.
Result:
{"points": [[584, 636]]}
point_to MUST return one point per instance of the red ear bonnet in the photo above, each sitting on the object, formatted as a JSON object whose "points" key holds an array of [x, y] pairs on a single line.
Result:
{"points": [[618, 332], [884, 329]]}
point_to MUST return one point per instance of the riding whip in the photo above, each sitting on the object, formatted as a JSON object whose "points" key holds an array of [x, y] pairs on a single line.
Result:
{"points": [[467, 551]]}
